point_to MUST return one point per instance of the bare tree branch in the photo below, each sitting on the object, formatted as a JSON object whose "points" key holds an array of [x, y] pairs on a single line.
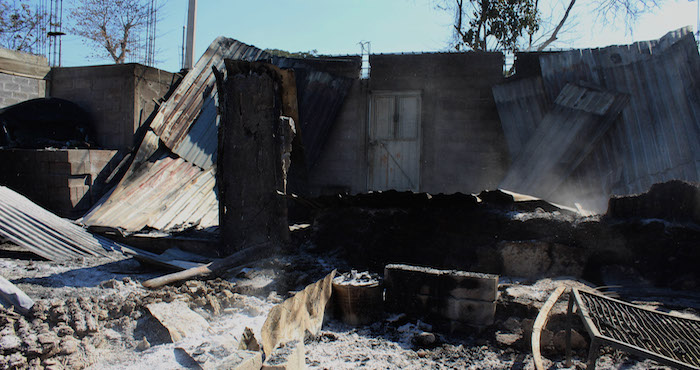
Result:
{"points": [[553, 35]]}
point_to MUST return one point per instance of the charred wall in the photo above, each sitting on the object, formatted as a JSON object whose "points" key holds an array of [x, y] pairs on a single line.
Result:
{"points": [[119, 97], [531, 239]]}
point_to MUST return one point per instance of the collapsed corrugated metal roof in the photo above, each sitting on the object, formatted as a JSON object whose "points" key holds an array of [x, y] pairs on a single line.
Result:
{"points": [[556, 146], [521, 106], [187, 123], [656, 138], [168, 193], [163, 192], [54, 238], [196, 91]]}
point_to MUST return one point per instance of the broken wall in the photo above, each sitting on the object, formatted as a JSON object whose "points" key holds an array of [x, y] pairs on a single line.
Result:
{"points": [[119, 97], [21, 77], [65, 181], [462, 143]]}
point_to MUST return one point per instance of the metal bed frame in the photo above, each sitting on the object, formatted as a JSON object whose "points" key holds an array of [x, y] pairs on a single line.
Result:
{"points": [[669, 339]]}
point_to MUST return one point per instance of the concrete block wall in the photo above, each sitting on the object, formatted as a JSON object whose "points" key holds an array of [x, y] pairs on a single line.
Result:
{"points": [[120, 97], [342, 166], [463, 148], [22, 77], [65, 181], [16, 89], [456, 300]]}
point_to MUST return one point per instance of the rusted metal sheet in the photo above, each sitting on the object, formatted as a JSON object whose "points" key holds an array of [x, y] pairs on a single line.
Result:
{"points": [[566, 135], [192, 104], [54, 238], [658, 136], [521, 106], [164, 192]]}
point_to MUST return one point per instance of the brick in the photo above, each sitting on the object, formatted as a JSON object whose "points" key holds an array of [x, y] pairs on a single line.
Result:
{"points": [[287, 356]]}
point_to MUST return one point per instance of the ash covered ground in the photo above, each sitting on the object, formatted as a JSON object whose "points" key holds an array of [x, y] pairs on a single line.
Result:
{"points": [[90, 313]]}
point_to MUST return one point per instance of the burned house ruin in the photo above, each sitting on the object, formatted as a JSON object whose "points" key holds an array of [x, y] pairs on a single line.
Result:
{"points": [[268, 212]]}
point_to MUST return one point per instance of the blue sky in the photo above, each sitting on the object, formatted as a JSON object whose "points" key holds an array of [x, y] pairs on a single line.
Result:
{"points": [[336, 27]]}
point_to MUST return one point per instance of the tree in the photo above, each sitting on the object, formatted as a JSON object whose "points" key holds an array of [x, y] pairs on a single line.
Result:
{"points": [[288, 54], [20, 28], [497, 22], [111, 26], [511, 25]]}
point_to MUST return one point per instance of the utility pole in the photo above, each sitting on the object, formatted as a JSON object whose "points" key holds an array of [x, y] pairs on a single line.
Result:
{"points": [[191, 28]]}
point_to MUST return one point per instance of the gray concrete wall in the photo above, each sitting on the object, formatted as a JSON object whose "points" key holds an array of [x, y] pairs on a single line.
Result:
{"points": [[65, 181], [342, 164], [21, 77], [119, 97], [463, 147]]}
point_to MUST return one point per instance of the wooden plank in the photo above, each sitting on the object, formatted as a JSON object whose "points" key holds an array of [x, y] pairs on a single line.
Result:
{"points": [[541, 323]]}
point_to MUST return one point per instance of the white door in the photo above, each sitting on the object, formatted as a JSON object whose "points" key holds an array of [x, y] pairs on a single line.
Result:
{"points": [[394, 141]]}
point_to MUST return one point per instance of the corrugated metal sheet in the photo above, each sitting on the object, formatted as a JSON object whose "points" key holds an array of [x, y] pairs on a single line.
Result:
{"points": [[558, 146], [658, 137], [165, 193], [193, 104], [44, 233], [320, 96], [521, 106]]}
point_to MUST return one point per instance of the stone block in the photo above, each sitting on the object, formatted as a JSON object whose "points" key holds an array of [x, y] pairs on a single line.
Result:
{"points": [[287, 356]]}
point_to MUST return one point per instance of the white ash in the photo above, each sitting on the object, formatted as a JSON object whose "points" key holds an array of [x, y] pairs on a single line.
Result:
{"points": [[354, 278]]}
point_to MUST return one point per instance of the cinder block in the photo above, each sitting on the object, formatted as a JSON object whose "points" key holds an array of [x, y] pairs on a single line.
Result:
{"points": [[405, 279], [477, 313], [78, 180], [77, 193], [10, 86], [55, 181], [242, 360], [287, 356], [59, 168]]}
